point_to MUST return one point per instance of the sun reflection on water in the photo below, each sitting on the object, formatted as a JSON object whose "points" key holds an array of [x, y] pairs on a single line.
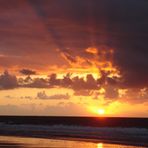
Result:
{"points": [[100, 145], [23, 142]]}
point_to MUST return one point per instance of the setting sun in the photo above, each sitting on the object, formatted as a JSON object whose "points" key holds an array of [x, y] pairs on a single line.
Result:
{"points": [[101, 111]]}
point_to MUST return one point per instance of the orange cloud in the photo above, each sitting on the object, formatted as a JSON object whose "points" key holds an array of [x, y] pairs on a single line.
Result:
{"points": [[92, 50]]}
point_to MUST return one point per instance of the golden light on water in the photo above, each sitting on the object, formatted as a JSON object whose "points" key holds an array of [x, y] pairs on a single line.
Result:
{"points": [[100, 145]]}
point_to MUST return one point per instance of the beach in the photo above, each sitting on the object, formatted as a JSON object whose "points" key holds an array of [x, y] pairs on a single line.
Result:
{"points": [[65, 131], [27, 142], [136, 137]]}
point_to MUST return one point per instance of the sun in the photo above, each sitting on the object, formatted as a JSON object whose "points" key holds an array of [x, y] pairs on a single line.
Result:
{"points": [[97, 110], [101, 111]]}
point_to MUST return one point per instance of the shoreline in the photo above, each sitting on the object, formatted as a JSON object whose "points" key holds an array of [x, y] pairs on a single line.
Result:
{"points": [[111, 135], [73, 138]]}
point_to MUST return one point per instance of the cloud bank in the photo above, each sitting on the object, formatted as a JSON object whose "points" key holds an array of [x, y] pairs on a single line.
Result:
{"points": [[108, 38]]}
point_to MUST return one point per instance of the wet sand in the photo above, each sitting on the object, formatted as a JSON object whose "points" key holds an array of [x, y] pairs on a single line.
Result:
{"points": [[4, 144], [26, 142]]}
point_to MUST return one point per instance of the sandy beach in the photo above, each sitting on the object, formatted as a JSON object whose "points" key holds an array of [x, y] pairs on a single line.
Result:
{"points": [[28, 142]]}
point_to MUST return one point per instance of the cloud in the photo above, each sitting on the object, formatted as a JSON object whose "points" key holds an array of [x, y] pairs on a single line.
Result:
{"points": [[8, 97], [53, 80], [80, 84], [135, 96], [38, 83], [92, 51], [67, 81], [111, 92], [42, 95], [83, 93], [38, 109], [108, 88], [68, 57], [133, 65], [75, 83], [20, 97], [27, 72], [85, 38], [68, 109], [22, 109], [8, 81]]}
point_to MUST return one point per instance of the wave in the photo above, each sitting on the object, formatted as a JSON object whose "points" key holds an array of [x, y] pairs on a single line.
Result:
{"points": [[135, 135]]}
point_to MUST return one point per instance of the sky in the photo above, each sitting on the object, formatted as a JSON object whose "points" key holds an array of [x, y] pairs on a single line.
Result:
{"points": [[74, 57]]}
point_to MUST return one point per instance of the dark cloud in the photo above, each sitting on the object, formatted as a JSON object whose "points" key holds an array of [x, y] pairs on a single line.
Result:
{"points": [[42, 95], [8, 81], [103, 87], [67, 81], [38, 83], [72, 26], [133, 65], [27, 72], [117, 24], [89, 84], [54, 81], [76, 83]]}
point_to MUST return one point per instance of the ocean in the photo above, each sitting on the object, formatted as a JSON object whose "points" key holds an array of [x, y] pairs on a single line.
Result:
{"points": [[71, 132]]}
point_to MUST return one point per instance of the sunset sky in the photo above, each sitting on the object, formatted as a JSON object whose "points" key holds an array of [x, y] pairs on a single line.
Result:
{"points": [[74, 57]]}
